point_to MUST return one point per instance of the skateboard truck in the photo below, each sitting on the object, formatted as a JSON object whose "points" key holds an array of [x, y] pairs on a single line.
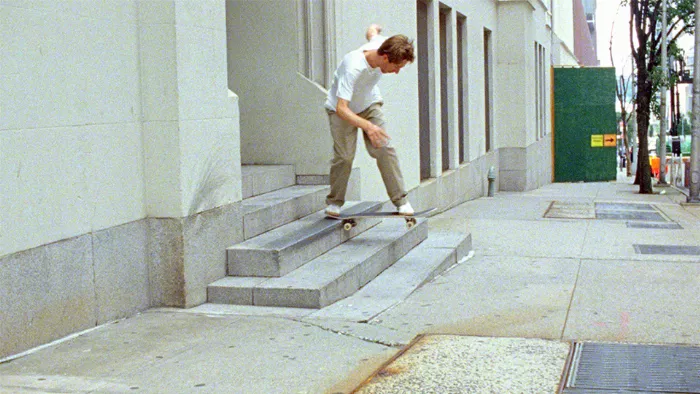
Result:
{"points": [[349, 224]]}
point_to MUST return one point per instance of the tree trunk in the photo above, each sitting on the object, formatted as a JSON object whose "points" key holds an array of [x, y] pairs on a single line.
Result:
{"points": [[626, 144], [644, 89], [643, 109]]}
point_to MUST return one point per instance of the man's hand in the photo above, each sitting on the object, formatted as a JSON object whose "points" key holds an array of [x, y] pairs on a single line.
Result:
{"points": [[372, 31], [377, 136]]}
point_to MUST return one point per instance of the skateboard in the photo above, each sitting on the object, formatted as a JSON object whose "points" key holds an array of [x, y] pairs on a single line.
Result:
{"points": [[349, 219]]}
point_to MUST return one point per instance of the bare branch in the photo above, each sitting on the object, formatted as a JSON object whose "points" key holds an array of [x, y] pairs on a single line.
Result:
{"points": [[612, 33]]}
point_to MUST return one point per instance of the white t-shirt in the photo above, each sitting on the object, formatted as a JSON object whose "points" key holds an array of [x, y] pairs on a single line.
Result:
{"points": [[354, 80]]}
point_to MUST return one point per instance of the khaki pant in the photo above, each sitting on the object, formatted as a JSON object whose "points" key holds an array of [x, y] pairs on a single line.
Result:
{"points": [[344, 145]]}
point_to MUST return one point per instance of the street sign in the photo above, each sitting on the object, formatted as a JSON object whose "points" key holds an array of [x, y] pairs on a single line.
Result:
{"points": [[609, 140], [596, 140]]}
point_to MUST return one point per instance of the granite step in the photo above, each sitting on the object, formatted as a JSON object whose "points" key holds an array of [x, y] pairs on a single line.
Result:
{"points": [[441, 251], [261, 179], [274, 209], [282, 250], [330, 277]]}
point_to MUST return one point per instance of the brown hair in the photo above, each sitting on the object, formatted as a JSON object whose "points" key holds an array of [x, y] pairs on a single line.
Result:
{"points": [[398, 48]]}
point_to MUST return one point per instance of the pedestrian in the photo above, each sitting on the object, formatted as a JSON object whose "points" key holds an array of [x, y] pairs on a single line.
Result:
{"points": [[354, 102]]}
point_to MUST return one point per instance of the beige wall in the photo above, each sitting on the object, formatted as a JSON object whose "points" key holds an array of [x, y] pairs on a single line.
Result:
{"points": [[282, 119], [71, 151], [116, 128], [108, 116], [563, 15]]}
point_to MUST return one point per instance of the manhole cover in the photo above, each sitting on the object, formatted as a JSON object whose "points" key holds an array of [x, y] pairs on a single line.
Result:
{"points": [[622, 368], [667, 249], [660, 226]]}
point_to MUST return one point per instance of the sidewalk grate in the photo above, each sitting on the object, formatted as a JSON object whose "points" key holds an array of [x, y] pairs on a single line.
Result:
{"points": [[630, 215], [623, 368], [658, 226], [617, 206], [628, 211], [606, 211], [667, 249]]}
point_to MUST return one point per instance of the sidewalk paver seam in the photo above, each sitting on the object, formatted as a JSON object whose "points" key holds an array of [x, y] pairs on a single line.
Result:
{"points": [[571, 301]]}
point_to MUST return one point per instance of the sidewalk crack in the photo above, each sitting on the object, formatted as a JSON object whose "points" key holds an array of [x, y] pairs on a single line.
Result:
{"points": [[354, 336], [571, 300]]}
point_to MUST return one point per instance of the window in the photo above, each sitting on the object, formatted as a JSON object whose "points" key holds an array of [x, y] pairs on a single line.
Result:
{"points": [[540, 92], [462, 87], [446, 88], [487, 90], [314, 41]]}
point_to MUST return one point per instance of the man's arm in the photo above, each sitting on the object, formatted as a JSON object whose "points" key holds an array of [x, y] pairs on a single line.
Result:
{"points": [[377, 136], [372, 31]]}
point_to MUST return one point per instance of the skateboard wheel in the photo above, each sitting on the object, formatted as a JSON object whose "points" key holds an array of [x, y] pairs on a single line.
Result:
{"points": [[348, 226]]}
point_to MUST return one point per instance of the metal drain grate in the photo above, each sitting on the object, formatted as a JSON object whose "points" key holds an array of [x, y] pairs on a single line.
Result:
{"points": [[630, 215], [659, 226], [667, 249], [622, 368], [613, 206], [628, 211]]}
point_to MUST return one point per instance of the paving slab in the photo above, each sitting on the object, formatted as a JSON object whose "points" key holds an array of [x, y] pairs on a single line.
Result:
{"points": [[210, 309], [614, 240], [541, 238], [635, 301], [182, 353], [490, 295], [682, 215], [510, 207], [457, 364]]}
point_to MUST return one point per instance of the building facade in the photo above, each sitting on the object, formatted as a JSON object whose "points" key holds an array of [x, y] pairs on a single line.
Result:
{"points": [[125, 125]]}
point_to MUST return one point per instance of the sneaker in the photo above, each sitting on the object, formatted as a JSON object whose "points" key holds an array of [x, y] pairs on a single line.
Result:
{"points": [[332, 210], [406, 209]]}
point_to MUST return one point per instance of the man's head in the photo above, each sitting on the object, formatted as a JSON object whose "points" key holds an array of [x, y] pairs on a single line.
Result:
{"points": [[396, 51]]}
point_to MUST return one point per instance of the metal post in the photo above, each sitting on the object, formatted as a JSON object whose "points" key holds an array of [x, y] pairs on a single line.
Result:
{"points": [[694, 195], [664, 80]]}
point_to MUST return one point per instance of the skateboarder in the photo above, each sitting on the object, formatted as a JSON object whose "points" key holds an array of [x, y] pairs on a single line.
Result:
{"points": [[354, 102]]}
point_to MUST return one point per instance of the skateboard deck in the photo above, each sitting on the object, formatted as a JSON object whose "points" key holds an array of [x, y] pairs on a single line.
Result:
{"points": [[349, 218]]}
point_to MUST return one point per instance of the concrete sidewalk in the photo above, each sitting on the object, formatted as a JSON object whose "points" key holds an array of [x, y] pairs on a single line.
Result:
{"points": [[545, 272]]}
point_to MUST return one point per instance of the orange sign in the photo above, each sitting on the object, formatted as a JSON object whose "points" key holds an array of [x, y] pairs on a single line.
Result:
{"points": [[609, 139]]}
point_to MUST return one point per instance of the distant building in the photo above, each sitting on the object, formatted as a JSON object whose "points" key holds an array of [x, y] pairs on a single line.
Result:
{"points": [[585, 35]]}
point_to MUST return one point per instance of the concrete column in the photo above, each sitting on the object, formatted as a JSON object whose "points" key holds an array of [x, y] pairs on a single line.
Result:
{"points": [[452, 93], [191, 140], [435, 93], [516, 137], [190, 121]]}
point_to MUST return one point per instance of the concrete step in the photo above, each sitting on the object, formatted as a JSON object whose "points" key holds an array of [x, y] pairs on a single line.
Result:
{"points": [[433, 256], [261, 179], [284, 249], [330, 277], [274, 209]]}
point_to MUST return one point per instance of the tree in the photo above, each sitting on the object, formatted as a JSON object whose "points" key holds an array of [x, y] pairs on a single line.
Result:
{"points": [[645, 26]]}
